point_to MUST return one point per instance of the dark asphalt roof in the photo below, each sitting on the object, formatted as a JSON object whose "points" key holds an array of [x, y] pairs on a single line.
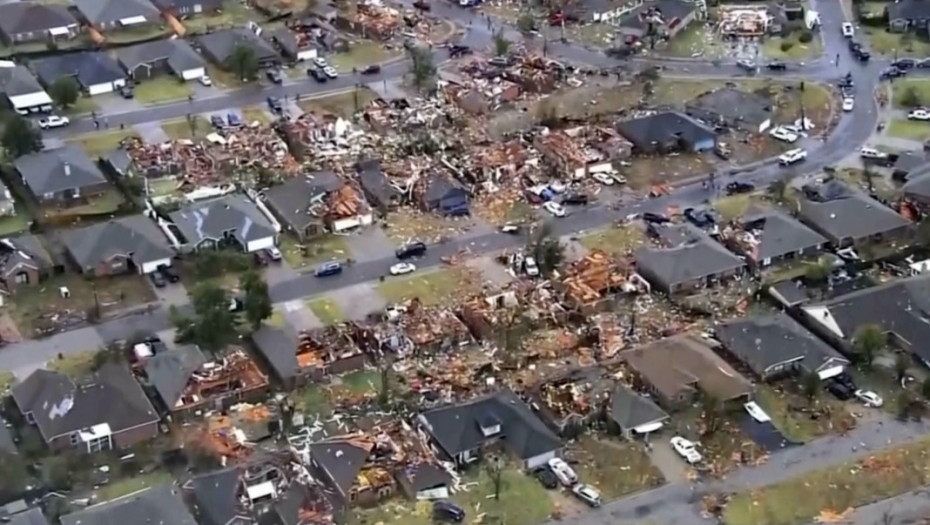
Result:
{"points": [[778, 234], [790, 293], [763, 342], [732, 105], [342, 460], [211, 219], [696, 258], [33, 17], [58, 170], [25, 250], [292, 199], [375, 183], [908, 10], [630, 410], [663, 127], [848, 213], [279, 347], [178, 53], [425, 476], [88, 67], [18, 80], [918, 184], [217, 496], [220, 44], [99, 11], [440, 187], [41, 384], [670, 9], [457, 428], [159, 505], [33, 516], [169, 371], [137, 235]]}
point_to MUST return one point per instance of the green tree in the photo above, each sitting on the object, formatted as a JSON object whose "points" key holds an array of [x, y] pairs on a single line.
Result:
{"points": [[818, 272], [422, 68], [213, 324], [778, 188], [713, 415], [20, 137], [546, 248], [501, 44], [868, 339], [811, 386], [925, 388], [64, 91], [15, 475], [243, 62], [495, 470], [911, 98], [257, 302], [526, 22]]}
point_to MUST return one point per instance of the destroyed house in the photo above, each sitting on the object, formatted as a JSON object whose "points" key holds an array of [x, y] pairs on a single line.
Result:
{"points": [[463, 432], [917, 188], [563, 153], [160, 504], [693, 260], [318, 203], [732, 108], [667, 132], [370, 21], [294, 45], [298, 357], [767, 236], [590, 280], [576, 398], [378, 189], [487, 316], [663, 17], [24, 261], [846, 216], [358, 467], [677, 369], [777, 345], [434, 328], [118, 246], [187, 382], [901, 308], [105, 410], [442, 194], [233, 219], [61, 176]]}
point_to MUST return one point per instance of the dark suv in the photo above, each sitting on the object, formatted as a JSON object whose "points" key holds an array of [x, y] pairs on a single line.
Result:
{"points": [[414, 249]]}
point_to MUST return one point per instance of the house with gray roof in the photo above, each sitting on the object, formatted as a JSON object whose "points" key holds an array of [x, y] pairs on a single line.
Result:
{"points": [[908, 15], [766, 236], [36, 22], [61, 176], [22, 89], [690, 259], [667, 132], [917, 187], [776, 345], [846, 216], [188, 8], [124, 245], [635, 414], [733, 108], [105, 15], [104, 411], [218, 46], [316, 203], [24, 261], [158, 505], [233, 219], [96, 72], [377, 187], [217, 498], [29, 516], [168, 372], [150, 59], [666, 17]]}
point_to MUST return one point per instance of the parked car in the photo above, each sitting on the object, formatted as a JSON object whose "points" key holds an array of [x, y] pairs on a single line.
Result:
{"points": [[783, 134], [317, 74], [330, 72], [746, 65], [587, 494], [530, 267], [413, 249], [603, 178], [261, 257], [554, 208], [575, 199], [862, 55], [699, 218], [792, 156], [274, 103], [274, 76], [157, 279], [127, 91], [327, 269], [871, 153], [168, 273], [869, 398], [205, 80], [546, 477], [234, 120], [656, 218], [777, 66], [848, 104], [839, 390], [891, 72], [320, 62], [217, 121], [919, 114], [54, 121], [373, 69], [853, 45], [737, 187], [562, 471], [422, 6], [512, 229], [923, 64], [402, 268], [904, 64], [458, 50], [686, 449], [445, 510], [847, 29]]}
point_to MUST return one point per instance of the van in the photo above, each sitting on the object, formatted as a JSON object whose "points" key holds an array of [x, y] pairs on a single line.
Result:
{"points": [[414, 249], [327, 269]]}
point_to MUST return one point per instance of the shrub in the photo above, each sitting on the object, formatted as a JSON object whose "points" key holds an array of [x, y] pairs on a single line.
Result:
{"points": [[786, 46], [911, 98], [806, 37]]}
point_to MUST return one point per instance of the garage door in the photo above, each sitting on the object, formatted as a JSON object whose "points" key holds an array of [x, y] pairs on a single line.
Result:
{"points": [[99, 89], [260, 244], [833, 371], [150, 267], [191, 74]]}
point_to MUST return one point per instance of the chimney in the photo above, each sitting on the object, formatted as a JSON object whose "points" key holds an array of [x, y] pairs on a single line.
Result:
{"points": [[67, 169]]}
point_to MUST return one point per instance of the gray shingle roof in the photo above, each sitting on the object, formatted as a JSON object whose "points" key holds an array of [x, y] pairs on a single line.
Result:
{"points": [[671, 9], [170, 371], [848, 214], [696, 257], [159, 505], [663, 127], [732, 105], [18, 80], [99, 11], [88, 67], [25, 250], [908, 10], [58, 170], [279, 346], [220, 44], [32, 17], [292, 199], [179, 55], [341, 459], [918, 184], [778, 234], [630, 410], [211, 219], [217, 497], [32, 516], [137, 236]]}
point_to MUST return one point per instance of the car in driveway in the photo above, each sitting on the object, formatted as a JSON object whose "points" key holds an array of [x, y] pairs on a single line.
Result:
{"points": [[587, 494], [413, 249], [54, 121], [327, 269], [127, 91], [217, 121], [783, 134], [205, 80], [320, 62], [330, 72], [233, 119], [274, 103], [566, 474], [871, 153], [402, 268], [168, 273], [530, 267], [839, 390], [603, 178], [869, 398], [554, 208], [546, 477], [261, 258], [274, 253], [792, 156], [157, 279], [686, 449], [919, 114]]}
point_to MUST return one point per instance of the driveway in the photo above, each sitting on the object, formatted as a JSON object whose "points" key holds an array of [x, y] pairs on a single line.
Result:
{"points": [[369, 244], [765, 434], [357, 301], [151, 132]]}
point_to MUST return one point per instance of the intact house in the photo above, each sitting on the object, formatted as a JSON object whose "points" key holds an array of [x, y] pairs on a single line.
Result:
{"points": [[187, 8], [61, 176], [160, 504], [439, 193], [463, 432], [766, 236], [105, 15], [908, 15], [901, 308], [678, 369], [95, 72], [662, 18], [22, 89], [175, 57], [318, 203], [634, 414], [233, 219], [107, 410], [376, 186], [219, 46], [846, 216], [777, 345], [22, 22], [118, 246], [295, 46], [297, 357], [24, 262], [687, 259], [667, 132], [732, 108]]}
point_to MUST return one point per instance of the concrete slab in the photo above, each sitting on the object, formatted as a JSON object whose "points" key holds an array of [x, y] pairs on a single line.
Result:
{"points": [[299, 316], [359, 300], [369, 244], [670, 464], [491, 272], [53, 142], [574, 250], [151, 132], [173, 294]]}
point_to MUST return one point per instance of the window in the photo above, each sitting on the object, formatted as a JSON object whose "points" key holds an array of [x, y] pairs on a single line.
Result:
{"points": [[75, 438], [22, 278], [99, 444]]}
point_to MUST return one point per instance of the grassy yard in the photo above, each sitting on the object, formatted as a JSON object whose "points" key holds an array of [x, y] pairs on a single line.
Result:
{"points": [[921, 87], [15, 223], [233, 13], [314, 251], [616, 468], [909, 129], [163, 88], [361, 54], [142, 33], [772, 48], [733, 206], [818, 100], [326, 310], [222, 78], [798, 419], [255, 114], [616, 240], [102, 204], [126, 486], [594, 34], [74, 365], [886, 43], [96, 144], [856, 483], [6, 382], [182, 128], [432, 287], [343, 104], [83, 105], [360, 382], [695, 41]]}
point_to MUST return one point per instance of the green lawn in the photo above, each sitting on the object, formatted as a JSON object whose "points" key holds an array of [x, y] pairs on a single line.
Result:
{"points": [[99, 143], [326, 310], [616, 240], [134, 34], [74, 365], [432, 287], [797, 418], [126, 486], [343, 104], [83, 105], [6, 382], [920, 86], [772, 48], [314, 251], [255, 114], [163, 88], [615, 468], [15, 223], [361, 54], [909, 129], [694, 41], [595, 34], [733, 206], [104, 203], [881, 475], [361, 382], [886, 43], [233, 13], [163, 186], [196, 128]]}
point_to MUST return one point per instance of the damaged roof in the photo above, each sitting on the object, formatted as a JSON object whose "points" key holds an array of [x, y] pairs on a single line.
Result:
{"points": [[778, 234], [212, 220], [699, 257], [158, 505], [169, 371], [279, 347], [341, 459], [630, 410], [217, 495], [25, 250], [842, 213], [646, 132], [136, 237]]}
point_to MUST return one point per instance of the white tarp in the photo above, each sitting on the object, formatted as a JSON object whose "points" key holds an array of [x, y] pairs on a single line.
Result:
{"points": [[132, 20], [31, 100], [648, 427], [833, 371], [59, 31]]}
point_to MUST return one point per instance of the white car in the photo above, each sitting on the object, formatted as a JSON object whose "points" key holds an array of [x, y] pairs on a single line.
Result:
{"points": [[54, 121], [554, 208], [532, 269], [869, 398], [848, 30], [848, 104], [402, 268], [919, 114], [756, 412], [871, 153], [784, 135], [791, 156], [603, 178], [686, 449], [320, 62], [206, 80], [587, 494], [275, 253], [562, 471], [330, 72]]}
